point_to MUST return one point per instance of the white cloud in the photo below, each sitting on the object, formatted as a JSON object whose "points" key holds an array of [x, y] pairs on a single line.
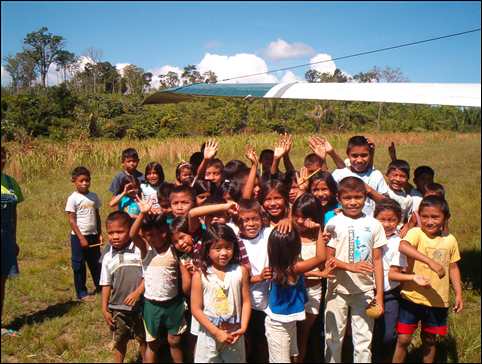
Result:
{"points": [[327, 66], [6, 79], [238, 65], [162, 71], [120, 68], [281, 49], [290, 77]]}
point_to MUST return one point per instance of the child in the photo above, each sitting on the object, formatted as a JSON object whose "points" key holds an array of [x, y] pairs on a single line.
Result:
{"points": [[220, 299], [130, 161], [266, 158], [122, 286], [215, 171], [184, 174], [163, 301], [356, 244], [125, 199], [321, 147], [434, 189], [163, 198], [274, 198], [422, 176], [398, 173], [181, 200], [202, 189], [282, 150], [429, 305], [323, 186], [313, 163], [287, 295], [360, 153], [154, 176], [83, 213]]}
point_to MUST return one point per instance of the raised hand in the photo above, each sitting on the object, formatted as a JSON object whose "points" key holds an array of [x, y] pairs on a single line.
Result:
{"points": [[288, 142], [279, 149], [210, 149], [144, 206], [310, 224], [318, 147], [371, 143], [302, 179], [251, 155], [392, 151]]}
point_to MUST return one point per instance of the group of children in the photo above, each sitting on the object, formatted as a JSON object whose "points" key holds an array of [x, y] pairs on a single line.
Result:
{"points": [[232, 264]]}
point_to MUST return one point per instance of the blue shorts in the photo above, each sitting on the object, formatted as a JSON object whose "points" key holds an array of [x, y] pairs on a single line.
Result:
{"points": [[433, 319]]}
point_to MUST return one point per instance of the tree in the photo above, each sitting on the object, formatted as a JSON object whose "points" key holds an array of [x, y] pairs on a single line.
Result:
{"points": [[21, 68], [43, 48], [64, 61], [190, 75], [210, 77], [168, 80], [95, 55], [317, 76], [135, 80]]}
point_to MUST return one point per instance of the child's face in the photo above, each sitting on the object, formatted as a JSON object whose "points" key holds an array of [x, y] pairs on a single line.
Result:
{"points": [[267, 161], [352, 202], [82, 184], [118, 233], [213, 174], [274, 204], [221, 253], [432, 220], [293, 191], [422, 180], [181, 203], [153, 178], [182, 242], [165, 206], [220, 218], [397, 179], [389, 220], [299, 222], [185, 176], [359, 158], [130, 164], [200, 198], [312, 167], [250, 224], [321, 191], [156, 237], [133, 191]]}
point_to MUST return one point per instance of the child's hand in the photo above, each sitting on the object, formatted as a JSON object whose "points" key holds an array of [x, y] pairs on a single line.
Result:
{"points": [[317, 145], [233, 207], [279, 149], [421, 280], [302, 179], [267, 273], [84, 244], [108, 318], [237, 334], [128, 188], [251, 155], [144, 206], [328, 146], [437, 268], [392, 151], [326, 237], [189, 266], [362, 267], [224, 337], [210, 149], [132, 298], [284, 226], [288, 142], [330, 266], [310, 224], [459, 304], [371, 143]]}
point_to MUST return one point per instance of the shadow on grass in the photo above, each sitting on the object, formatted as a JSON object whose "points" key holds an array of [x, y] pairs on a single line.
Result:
{"points": [[446, 351], [57, 310], [469, 266]]}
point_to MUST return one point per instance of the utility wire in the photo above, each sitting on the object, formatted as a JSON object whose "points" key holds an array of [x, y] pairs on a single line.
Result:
{"points": [[345, 57]]}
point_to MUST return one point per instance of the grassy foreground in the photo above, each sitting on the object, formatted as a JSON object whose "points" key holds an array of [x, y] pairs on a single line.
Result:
{"points": [[40, 301]]}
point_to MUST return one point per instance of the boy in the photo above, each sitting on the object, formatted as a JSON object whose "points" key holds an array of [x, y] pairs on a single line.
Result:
{"points": [[422, 176], [181, 200], [122, 286], [360, 154], [398, 173], [356, 243], [130, 161], [83, 213]]}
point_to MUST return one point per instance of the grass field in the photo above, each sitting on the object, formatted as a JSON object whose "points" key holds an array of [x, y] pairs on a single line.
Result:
{"points": [[40, 301]]}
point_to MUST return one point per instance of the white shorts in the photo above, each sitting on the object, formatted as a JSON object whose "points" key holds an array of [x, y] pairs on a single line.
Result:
{"points": [[282, 341], [314, 299], [208, 350]]}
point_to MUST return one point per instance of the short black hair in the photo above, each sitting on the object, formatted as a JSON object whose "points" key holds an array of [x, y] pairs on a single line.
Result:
{"points": [[309, 206], [423, 170], [158, 222], [195, 160], [80, 171], [388, 204], [129, 153], [164, 191], [203, 186], [437, 188], [435, 201], [399, 164], [233, 167], [265, 152], [349, 184], [216, 163], [311, 159], [121, 216], [182, 189], [357, 141]]}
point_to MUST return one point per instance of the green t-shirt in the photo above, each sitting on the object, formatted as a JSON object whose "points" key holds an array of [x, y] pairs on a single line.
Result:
{"points": [[10, 186]]}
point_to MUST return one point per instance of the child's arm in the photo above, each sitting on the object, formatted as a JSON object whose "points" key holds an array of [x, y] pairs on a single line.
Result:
{"points": [[249, 186], [412, 252], [99, 226], [75, 228], [303, 266], [210, 150], [360, 267], [136, 227], [117, 198], [134, 296], [197, 311], [395, 274], [279, 151], [373, 194], [392, 151], [185, 279], [105, 305], [286, 157], [318, 147], [454, 274], [246, 305], [195, 213], [378, 267]]}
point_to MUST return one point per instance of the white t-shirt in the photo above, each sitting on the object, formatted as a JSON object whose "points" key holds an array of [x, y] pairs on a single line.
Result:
{"points": [[392, 257], [417, 197], [372, 177], [405, 201], [149, 193], [353, 240], [160, 274], [257, 250], [84, 207]]}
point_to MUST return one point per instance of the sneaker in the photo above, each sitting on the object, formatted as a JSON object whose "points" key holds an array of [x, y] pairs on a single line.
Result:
{"points": [[87, 298]]}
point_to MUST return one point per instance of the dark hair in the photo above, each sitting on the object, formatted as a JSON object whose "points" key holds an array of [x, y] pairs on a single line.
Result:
{"points": [[195, 160], [250, 205], [435, 201], [214, 200], [264, 153], [121, 216], [164, 191], [388, 204], [203, 186], [216, 163], [155, 166], [126, 180], [283, 252], [79, 171], [277, 185], [357, 141], [423, 170], [129, 153], [399, 164], [214, 233], [179, 167], [233, 167], [330, 183], [180, 224], [310, 207], [311, 159], [437, 188], [349, 184], [158, 222], [182, 189]]}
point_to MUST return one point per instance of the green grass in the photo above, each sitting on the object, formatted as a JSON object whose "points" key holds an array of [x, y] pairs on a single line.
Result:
{"points": [[40, 301]]}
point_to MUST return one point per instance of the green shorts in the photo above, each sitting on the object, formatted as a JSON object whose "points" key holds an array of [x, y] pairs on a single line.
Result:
{"points": [[167, 315], [127, 326]]}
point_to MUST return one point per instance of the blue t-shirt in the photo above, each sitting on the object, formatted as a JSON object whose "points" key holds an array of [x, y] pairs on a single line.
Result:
{"points": [[286, 303], [330, 214], [132, 206]]}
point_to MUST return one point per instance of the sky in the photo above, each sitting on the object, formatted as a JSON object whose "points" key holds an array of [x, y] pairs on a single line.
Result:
{"points": [[242, 38]]}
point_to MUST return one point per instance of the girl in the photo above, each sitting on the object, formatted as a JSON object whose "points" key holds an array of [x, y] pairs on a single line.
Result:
{"points": [[202, 190], [126, 196], [154, 176], [220, 299], [323, 186], [184, 174], [287, 294], [274, 199], [308, 220]]}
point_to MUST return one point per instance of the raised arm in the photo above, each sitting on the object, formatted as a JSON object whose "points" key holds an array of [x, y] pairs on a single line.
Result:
{"points": [[279, 151], [117, 198], [195, 213], [339, 162], [249, 186], [288, 142], [144, 207], [303, 266], [210, 151]]}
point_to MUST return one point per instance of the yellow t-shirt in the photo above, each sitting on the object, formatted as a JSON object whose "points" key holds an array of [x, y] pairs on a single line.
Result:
{"points": [[442, 249]]}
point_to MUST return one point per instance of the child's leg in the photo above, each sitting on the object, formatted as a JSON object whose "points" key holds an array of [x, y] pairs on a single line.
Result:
{"points": [[120, 351], [362, 327], [257, 346], [142, 349], [92, 258], [385, 329], [150, 355], [428, 343], [206, 349], [304, 334], [78, 266], [280, 336], [175, 347], [235, 353], [336, 314], [434, 323], [408, 317], [403, 341], [175, 323]]}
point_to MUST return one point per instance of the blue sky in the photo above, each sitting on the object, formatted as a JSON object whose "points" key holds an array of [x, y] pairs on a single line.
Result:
{"points": [[235, 38]]}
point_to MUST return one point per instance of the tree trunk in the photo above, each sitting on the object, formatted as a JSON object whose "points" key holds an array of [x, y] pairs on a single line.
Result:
{"points": [[379, 114]]}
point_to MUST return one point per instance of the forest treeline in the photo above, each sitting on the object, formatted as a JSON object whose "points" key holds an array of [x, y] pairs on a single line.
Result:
{"points": [[97, 100]]}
